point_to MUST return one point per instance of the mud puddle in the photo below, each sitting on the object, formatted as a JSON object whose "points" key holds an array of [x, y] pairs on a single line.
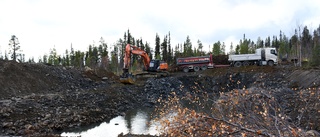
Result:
{"points": [[134, 122]]}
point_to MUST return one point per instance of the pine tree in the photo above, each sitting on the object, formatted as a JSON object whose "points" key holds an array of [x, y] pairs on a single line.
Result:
{"points": [[267, 43], [31, 60], [170, 55], [88, 56], [121, 49], [114, 59], [244, 45], [14, 47], [103, 54], [200, 46], [315, 61], [72, 56], [94, 57], [294, 42], [177, 53], [157, 47], [259, 43], [128, 40], [53, 57], [231, 49], [252, 47], [142, 45], [284, 48], [216, 50], [223, 49], [188, 47], [67, 59], [164, 49], [148, 50], [306, 43], [45, 59], [237, 49]]}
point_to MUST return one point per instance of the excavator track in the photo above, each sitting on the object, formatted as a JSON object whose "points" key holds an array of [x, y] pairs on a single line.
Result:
{"points": [[131, 79], [152, 74]]}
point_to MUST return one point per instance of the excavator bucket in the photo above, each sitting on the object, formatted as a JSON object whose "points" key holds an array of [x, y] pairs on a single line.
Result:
{"points": [[127, 78]]}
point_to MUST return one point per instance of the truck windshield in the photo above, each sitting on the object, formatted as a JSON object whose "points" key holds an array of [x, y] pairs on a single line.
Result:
{"points": [[273, 52]]}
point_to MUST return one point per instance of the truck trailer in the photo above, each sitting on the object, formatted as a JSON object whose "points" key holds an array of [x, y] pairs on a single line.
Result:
{"points": [[262, 57], [200, 63]]}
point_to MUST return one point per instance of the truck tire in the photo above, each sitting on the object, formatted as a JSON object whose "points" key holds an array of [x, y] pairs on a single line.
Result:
{"points": [[203, 67], [196, 68], [185, 69], [270, 63], [237, 64]]}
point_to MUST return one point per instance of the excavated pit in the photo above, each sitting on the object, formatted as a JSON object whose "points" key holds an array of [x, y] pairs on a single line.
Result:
{"points": [[37, 99]]}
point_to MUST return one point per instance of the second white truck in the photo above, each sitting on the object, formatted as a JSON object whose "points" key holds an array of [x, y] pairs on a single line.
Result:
{"points": [[262, 56]]}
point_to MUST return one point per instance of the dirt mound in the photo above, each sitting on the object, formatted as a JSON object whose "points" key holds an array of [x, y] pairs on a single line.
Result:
{"points": [[99, 74], [19, 79], [37, 99], [304, 79]]}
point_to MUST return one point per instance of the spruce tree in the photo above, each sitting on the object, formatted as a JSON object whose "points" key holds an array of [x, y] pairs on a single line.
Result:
{"points": [[164, 49], [157, 47], [216, 50], [14, 47]]}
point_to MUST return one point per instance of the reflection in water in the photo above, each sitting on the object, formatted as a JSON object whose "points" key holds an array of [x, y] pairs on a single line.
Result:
{"points": [[135, 122]]}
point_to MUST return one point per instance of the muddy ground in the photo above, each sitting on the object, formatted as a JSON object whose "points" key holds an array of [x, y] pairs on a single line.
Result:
{"points": [[37, 99]]}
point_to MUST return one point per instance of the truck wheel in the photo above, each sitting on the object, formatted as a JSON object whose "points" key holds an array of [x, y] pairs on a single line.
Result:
{"points": [[270, 63], [237, 64], [196, 68], [203, 67], [186, 69]]}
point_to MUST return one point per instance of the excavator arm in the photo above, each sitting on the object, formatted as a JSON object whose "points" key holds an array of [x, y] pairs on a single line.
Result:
{"points": [[126, 77], [137, 51], [127, 57], [143, 54]]}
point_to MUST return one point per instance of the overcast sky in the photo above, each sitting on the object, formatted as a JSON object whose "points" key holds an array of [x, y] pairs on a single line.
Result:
{"points": [[44, 24]]}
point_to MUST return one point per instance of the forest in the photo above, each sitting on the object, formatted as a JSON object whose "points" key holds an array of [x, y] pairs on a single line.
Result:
{"points": [[303, 46]]}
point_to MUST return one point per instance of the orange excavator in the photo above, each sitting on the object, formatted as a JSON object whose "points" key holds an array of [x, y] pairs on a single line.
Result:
{"points": [[151, 67]]}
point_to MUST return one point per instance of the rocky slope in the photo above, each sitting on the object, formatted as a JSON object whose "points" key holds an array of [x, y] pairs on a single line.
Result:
{"points": [[37, 99]]}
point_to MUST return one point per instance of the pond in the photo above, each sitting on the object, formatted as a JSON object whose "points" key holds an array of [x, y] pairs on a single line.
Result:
{"points": [[135, 122]]}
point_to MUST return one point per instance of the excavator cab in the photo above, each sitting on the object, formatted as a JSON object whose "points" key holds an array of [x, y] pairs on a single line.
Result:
{"points": [[156, 65]]}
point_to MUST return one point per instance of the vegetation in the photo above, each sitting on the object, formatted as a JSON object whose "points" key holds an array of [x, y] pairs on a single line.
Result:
{"points": [[246, 112], [302, 46], [15, 49]]}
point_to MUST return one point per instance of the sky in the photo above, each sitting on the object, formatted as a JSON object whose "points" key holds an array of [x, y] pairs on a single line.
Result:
{"points": [[41, 25]]}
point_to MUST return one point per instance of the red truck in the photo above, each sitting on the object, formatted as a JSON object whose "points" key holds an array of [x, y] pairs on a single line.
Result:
{"points": [[201, 63]]}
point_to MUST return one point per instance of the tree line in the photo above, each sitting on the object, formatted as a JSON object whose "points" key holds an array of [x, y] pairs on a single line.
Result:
{"points": [[302, 46]]}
